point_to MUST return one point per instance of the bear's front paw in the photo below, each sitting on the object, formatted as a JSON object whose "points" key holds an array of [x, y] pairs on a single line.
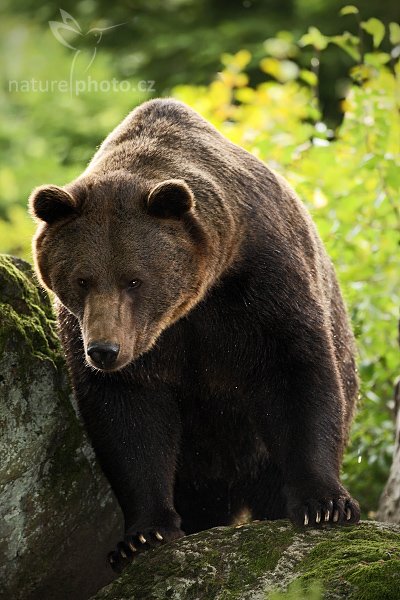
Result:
{"points": [[321, 509], [135, 542]]}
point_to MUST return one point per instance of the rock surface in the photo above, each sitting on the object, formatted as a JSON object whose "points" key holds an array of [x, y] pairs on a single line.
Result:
{"points": [[256, 561], [58, 518]]}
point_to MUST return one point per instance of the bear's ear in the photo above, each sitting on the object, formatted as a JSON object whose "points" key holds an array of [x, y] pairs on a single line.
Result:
{"points": [[170, 199], [51, 203]]}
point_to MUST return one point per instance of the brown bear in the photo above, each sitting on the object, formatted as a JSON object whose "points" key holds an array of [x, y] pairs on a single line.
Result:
{"points": [[205, 332]]}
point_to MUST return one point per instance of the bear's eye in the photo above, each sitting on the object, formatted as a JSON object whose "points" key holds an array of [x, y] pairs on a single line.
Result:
{"points": [[134, 284], [83, 283]]}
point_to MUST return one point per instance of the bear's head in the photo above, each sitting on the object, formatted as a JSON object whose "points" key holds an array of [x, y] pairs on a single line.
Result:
{"points": [[127, 258]]}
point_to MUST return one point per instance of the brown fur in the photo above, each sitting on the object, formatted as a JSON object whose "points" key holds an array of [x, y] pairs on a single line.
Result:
{"points": [[235, 381]]}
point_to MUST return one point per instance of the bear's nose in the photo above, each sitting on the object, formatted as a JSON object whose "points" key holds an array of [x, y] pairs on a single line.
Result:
{"points": [[103, 354]]}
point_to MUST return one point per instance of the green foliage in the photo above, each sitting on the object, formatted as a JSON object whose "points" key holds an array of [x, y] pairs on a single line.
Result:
{"points": [[376, 28], [297, 590], [180, 41], [350, 9], [47, 136], [349, 178]]}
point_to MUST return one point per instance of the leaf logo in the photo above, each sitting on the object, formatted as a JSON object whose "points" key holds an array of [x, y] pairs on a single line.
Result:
{"points": [[68, 25]]}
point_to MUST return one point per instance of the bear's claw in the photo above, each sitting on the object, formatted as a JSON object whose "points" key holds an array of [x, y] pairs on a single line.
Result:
{"points": [[132, 547], [138, 542], [341, 510]]}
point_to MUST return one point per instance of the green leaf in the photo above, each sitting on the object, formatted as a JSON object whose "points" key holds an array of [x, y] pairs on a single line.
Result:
{"points": [[376, 28], [309, 77], [361, 73], [394, 32], [376, 59], [282, 70], [314, 38], [279, 47], [350, 9], [349, 43]]}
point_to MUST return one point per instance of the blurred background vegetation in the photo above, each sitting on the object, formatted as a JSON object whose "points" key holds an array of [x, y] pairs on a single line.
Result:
{"points": [[309, 86]]}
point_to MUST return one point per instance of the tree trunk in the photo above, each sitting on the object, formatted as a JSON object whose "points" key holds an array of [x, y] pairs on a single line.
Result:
{"points": [[389, 504]]}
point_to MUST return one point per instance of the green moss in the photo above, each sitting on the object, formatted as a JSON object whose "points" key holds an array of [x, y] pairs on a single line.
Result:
{"points": [[299, 591], [28, 336], [219, 563], [257, 554], [268, 560], [362, 560], [26, 316]]}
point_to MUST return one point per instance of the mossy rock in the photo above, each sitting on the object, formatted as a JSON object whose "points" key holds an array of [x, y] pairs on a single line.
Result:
{"points": [[267, 561], [58, 517]]}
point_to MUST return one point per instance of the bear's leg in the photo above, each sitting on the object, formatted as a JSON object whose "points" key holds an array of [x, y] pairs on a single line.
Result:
{"points": [[305, 428], [263, 495], [203, 506], [135, 434]]}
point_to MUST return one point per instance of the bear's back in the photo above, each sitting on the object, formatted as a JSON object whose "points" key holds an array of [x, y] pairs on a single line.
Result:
{"points": [[164, 138]]}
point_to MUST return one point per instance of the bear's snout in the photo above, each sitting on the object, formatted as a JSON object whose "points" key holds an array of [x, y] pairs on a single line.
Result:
{"points": [[108, 330], [103, 354]]}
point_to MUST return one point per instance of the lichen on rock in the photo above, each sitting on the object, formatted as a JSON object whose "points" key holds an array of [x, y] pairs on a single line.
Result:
{"points": [[261, 561]]}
